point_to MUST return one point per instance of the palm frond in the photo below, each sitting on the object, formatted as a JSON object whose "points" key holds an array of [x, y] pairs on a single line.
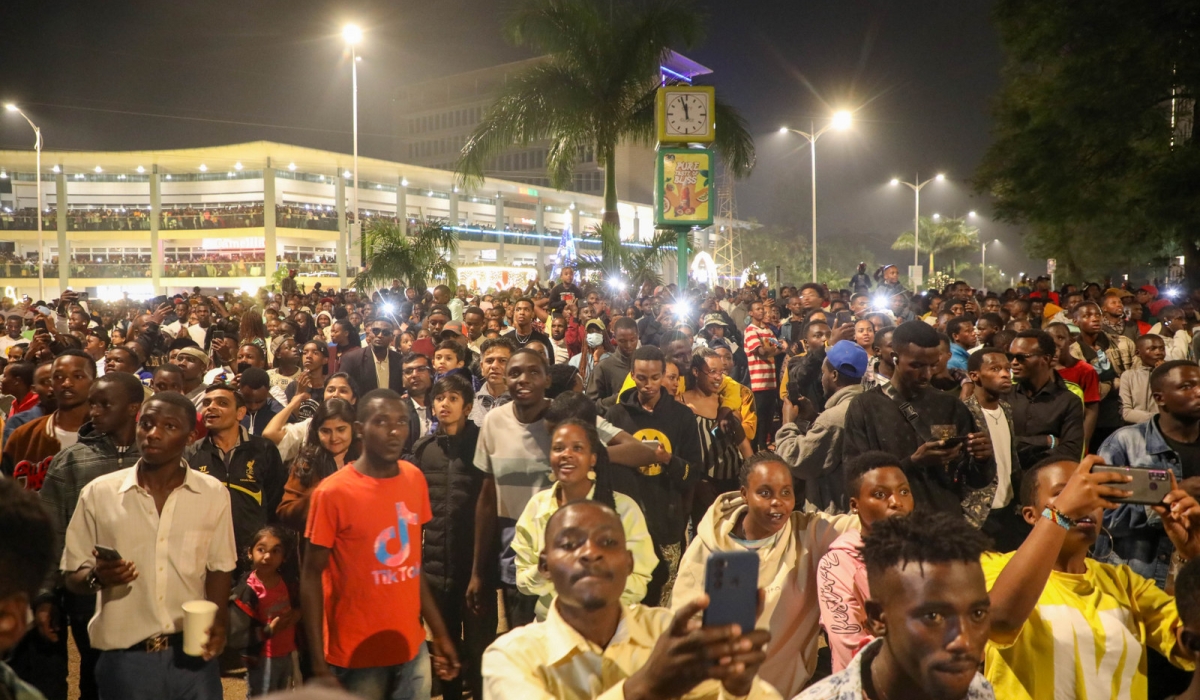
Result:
{"points": [[544, 101], [555, 27], [425, 254], [733, 142]]}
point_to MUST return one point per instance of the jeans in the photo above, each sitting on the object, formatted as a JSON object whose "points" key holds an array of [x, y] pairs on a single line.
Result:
{"points": [[269, 674], [164, 675], [407, 681]]}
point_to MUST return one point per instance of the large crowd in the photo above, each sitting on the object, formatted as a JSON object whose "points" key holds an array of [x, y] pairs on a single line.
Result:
{"points": [[584, 490]]}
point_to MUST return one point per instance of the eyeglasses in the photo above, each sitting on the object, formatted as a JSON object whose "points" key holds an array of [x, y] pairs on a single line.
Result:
{"points": [[414, 370], [382, 331], [1023, 357]]}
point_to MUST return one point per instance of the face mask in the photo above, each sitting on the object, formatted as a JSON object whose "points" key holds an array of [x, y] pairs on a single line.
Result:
{"points": [[595, 340]]}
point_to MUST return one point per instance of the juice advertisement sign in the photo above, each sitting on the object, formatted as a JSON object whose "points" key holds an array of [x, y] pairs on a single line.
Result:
{"points": [[683, 187]]}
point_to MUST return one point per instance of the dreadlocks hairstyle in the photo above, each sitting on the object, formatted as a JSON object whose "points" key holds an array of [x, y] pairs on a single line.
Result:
{"points": [[920, 538], [604, 489]]}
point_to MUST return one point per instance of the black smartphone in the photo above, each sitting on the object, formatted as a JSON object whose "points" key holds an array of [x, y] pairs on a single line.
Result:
{"points": [[716, 432], [956, 440], [218, 334], [1149, 486], [40, 325], [731, 582], [841, 318], [107, 553]]}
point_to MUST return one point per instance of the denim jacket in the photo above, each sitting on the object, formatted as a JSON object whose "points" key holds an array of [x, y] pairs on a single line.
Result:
{"points": [[1135, 532]]}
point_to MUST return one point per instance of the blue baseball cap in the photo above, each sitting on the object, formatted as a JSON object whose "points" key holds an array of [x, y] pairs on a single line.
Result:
{"points": [[848, 358]]}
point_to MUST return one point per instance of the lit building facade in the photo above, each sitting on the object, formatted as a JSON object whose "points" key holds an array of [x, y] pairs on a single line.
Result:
{"points": [[150, 222]]}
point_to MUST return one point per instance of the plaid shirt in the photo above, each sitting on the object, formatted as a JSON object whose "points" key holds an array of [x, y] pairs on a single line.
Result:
{"points": [[75, 467]]}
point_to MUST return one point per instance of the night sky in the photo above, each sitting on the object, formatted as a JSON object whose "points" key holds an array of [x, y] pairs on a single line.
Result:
{"points": [[134, 74]]}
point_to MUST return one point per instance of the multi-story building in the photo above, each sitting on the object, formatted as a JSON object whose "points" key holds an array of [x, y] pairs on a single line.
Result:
{"points": [[149, 222], [435, 118]]}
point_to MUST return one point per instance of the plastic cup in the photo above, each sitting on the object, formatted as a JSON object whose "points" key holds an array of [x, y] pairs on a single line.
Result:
{"points": [[198, 617]]}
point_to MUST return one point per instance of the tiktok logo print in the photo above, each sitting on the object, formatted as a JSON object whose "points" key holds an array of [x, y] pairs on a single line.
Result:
{"points": [[396, 571], [403, 519]]}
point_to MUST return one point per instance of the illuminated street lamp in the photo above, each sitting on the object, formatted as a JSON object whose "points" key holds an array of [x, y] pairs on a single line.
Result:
{"points": [[840, 121], [916, 186], [353, 35], [37, 146]]}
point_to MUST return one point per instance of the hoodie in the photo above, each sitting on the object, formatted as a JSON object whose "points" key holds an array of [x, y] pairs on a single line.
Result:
{"points": [[660, 489], [842, 593], [787, 574]]}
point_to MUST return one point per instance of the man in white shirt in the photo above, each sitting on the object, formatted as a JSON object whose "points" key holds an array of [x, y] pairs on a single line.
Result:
{"points": [[175, 528], [991, 507]]}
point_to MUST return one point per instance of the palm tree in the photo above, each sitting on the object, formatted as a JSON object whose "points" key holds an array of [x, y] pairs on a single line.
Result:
{"points": [[632, 263], [424, 254], [595, 88], [940, 236]]}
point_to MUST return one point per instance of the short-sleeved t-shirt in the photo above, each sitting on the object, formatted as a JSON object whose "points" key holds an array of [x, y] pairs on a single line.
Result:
{"points": [[372, 585], [1084, 376], [762, 372], [1086, 638]]}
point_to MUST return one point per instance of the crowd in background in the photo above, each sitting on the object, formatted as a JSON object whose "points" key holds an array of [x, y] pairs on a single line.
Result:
{"points": [[532, 493]]}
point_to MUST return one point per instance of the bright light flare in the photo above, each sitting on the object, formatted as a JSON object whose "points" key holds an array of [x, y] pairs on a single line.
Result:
{"points": [[879, 302], [389, 308], [940, 177], [11, 107], [842, 120], [616, 285], [783, 129], [352, 34], [894, 181]]}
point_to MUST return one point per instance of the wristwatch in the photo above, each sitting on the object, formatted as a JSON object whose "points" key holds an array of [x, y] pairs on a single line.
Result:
{"points": [[93, 582]]}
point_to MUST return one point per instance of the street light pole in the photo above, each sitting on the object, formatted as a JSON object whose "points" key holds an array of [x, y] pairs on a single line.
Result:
{"points": [[916, 186], [841, 120], [353, 35], [37, 146]]}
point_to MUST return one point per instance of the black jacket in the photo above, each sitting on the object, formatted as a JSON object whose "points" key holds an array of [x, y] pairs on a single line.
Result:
{"points": [[256, 422], [359, 363], [448, 462], [255, 477], [659, 489]]}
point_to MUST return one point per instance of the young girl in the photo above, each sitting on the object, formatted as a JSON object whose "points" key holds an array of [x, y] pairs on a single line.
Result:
{"points": [[878, 489], [270, 606], [329, 446], [580, 464]]}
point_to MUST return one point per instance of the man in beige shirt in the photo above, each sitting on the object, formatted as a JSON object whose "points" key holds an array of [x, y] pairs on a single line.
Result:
{"points": [[591, 646]]}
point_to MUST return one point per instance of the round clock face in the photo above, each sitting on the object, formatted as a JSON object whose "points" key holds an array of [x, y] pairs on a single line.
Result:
{"points": [[687, 114]]}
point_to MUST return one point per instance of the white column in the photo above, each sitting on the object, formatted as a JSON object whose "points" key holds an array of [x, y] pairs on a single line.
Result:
{"points": [[270, 249], [156, 253], [453, 216], [64, 248], [402, 205], [343, 246], [499, 226]]}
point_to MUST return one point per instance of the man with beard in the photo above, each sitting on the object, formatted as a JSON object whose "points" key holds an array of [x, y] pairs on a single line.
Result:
{"points": [[898, 418], [493, 357], [27, 456], [248, 464], [106, 444], [991, 507], [928, 609], [644, 652], [1169, 440], [558, 339], [1047, 416]]}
